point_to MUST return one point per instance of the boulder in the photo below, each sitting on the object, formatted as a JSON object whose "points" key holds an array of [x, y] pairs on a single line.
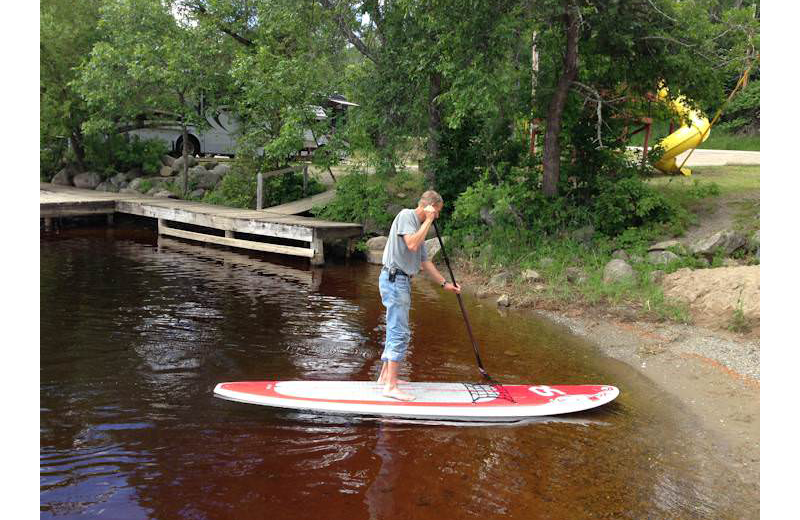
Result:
{"points": [[87, 180], [206, 180], [210, 165], [617, 270], [504, 301], [375, 257], [168, 160], [222, 169], [621, 255], [129, 191], [432, 247], [667, 245], [377, 243], [107, 186], [725, 242], [199, 193], [661, 257], [165, 171], [575, 275], [64, 176], [178, 164], [133, 173], [119, 179]]}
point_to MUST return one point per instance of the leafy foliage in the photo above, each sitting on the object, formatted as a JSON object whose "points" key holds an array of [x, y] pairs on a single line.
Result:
{"points": [[359, 198], [743, 113], [116, 152]]}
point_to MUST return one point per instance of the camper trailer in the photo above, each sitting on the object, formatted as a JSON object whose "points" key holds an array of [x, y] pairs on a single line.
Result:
{"points": [[222, 133]]}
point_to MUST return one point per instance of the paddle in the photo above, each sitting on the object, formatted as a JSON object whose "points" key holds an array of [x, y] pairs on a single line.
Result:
{"points": [[463, 310]]}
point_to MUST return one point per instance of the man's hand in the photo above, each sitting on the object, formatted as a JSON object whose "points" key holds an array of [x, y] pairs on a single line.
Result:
{"points": [[430, 212], [452, 288]]}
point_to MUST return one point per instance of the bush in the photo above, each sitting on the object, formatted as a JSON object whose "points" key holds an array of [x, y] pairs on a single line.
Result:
{"points": [[237, 189], [627, 203], [359, 198], [119, 152]]}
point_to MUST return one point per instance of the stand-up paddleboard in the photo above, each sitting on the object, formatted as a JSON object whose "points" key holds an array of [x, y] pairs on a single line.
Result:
{"points": [[448, 401]]}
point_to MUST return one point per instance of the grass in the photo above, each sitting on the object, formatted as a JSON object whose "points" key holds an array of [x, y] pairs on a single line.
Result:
{"points": [[731, 180], [718, 139]]}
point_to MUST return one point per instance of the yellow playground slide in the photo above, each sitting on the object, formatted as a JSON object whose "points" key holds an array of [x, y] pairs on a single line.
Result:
{"points": [[684, 138]]}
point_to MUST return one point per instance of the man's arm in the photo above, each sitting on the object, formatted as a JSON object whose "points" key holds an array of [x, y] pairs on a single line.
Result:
{"points": [[436, 276], [414, 241]]}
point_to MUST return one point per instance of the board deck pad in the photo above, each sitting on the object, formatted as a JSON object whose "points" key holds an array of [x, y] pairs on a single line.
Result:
{"points": [[449, 401]]}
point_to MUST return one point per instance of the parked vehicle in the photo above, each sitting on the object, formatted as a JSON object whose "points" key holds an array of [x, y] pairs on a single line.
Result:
{"points": [[220, 137]]}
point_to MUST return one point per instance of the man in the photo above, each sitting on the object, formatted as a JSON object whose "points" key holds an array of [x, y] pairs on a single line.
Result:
{"points": [[403, 257]]}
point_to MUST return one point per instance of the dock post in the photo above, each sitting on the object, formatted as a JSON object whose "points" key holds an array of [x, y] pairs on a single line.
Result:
{"points": [[350, 246], [260, 192], [161, 225], [316, 245], [110, 219], [305, 180], [48, 224]]}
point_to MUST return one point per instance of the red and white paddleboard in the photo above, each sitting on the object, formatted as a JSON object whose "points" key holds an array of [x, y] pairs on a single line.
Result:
{"points": [[443, 401]]}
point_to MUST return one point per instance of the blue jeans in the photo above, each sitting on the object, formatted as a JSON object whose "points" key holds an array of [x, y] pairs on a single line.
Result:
{"points": [[396, 297]]}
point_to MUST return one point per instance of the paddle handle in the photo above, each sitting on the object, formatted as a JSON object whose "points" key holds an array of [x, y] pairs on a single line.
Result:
{"points": [[461, 304]]}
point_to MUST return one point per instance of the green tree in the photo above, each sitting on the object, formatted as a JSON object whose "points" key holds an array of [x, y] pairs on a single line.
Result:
{"points": [[67, 32], [152, 59]]}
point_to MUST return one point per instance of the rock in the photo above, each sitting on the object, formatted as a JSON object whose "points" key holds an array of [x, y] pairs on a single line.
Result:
{"points": [[135, 183], [119, 179], [133, 173], [205, 179], [620, 254], [107, 186], [731, 262], [222, 169], [432, 247], [529, 275], [129, 191], [667, 245], [64, 176], [377, 243], [210, 165], [617, 270], [165, 171], [87, 180], [375, 257], [199, 193], [163, 194], [178, 164], [500, 279], [504, 301], [168, 160], [152, 191], [715, 295], [661, 257], [575, 275], [725, 242]]}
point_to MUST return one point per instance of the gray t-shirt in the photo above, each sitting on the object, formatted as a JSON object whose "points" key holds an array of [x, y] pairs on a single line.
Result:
{"points": [[396, 253]]}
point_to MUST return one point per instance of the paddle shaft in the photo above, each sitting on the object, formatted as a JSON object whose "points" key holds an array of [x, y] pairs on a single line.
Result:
{"points": [[461, 304]]}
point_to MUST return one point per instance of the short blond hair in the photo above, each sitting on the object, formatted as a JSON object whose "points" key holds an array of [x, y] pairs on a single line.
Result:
{"points": [[430, 197]]}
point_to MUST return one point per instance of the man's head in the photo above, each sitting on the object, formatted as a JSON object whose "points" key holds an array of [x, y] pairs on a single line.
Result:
{"points": [[431, 198]]}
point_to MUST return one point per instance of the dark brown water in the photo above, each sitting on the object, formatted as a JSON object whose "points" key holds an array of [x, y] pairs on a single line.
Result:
{"points": [[135, 333]]}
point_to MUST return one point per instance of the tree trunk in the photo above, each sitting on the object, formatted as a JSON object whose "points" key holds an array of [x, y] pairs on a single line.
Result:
{"points": [[185, 158], [552, 148], [434, 128], [534, 80], [76, 143]]}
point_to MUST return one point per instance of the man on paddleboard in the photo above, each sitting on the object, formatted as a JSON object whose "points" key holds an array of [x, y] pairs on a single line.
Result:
{"points": [[403, 257]]}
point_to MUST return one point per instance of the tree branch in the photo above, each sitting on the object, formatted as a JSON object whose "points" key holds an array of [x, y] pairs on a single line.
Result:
{"points": [[348, 33]]}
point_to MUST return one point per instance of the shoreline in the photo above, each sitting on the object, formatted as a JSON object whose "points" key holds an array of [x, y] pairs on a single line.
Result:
{"points": [[714, 374]]}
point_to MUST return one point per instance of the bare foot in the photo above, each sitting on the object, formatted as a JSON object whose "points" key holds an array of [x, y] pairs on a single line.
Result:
{"points": [[396, 393], [399, 381]]}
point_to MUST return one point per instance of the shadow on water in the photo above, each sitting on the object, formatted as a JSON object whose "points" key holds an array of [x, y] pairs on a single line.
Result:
{"points": [[136, 331]]}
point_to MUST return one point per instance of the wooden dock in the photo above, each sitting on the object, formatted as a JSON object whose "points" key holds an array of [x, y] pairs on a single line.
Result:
{"points": [[206, 220]]}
